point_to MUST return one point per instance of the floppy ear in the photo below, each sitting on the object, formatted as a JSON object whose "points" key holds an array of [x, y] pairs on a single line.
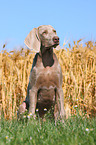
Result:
{"points": [[32, 40]]}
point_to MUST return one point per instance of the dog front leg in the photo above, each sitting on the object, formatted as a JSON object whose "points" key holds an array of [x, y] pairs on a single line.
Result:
{"points": [[56, 107], [61, 102], [32, 101]]}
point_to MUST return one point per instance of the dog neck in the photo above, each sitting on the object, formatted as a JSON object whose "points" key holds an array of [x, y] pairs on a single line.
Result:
{"points": [[47, 56]]}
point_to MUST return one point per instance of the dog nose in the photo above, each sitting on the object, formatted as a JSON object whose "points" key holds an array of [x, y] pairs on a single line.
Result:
{"points": [[56, 39]]}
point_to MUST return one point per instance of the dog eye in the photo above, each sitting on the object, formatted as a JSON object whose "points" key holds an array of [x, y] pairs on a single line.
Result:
{"points": [[54, 31], [45, 32]]}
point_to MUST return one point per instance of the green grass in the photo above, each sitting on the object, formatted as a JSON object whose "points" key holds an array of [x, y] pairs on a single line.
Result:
{"points": [[77, 130]]}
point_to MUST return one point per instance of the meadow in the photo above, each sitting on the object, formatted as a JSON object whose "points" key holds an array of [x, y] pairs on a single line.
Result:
{"points": [[78, 63], [76, 130]]}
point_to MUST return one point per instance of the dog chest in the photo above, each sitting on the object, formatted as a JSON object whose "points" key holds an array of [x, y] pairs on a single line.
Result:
{"points": [[48, 77]]}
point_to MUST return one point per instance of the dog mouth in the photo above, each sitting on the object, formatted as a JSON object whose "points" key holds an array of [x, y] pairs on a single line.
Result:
{"points": [[53, 46], [56, 44]]}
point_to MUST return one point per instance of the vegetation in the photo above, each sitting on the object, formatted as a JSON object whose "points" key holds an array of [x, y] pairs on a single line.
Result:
{"points": [[76, 130], [78, 64]]}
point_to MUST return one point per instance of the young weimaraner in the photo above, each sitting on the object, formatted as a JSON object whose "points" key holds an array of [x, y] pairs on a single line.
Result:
{"points": [[45, 83]]}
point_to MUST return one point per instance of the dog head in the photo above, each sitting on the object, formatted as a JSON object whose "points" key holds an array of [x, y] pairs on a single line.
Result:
{"points": [[44, 35]]}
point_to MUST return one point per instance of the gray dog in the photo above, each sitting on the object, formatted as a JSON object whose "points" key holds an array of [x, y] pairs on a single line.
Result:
{"points": [[45, 83]]}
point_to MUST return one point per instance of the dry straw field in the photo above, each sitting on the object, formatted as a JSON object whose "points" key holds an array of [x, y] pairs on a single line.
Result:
{"points": [[78, 64]]}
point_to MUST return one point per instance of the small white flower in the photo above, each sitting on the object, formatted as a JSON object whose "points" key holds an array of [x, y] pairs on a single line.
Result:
{"points": [[87, 129], [29, 115], [45, 109], [75, 106], [37, 110], [30, 138]]}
